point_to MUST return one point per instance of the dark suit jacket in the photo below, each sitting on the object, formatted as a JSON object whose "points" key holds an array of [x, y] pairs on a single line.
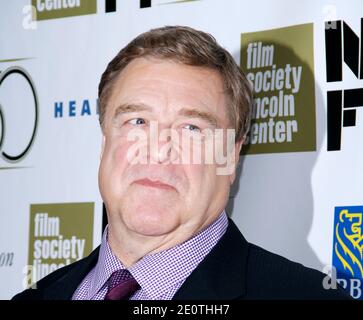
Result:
{"points": [[234, 269]]}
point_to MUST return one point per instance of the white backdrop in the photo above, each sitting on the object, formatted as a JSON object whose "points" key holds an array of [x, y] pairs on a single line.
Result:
{"points": [[283, 201]]}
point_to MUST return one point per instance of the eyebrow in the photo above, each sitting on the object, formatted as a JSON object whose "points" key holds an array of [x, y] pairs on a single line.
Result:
{"points": [[130, 107], [195, 113], [185, 112]]}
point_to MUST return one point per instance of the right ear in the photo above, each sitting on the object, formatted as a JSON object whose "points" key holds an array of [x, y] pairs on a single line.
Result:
{"points": [[102, 145]]}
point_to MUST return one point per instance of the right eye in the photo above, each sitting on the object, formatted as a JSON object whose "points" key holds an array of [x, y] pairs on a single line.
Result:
{"points": [[136, 121]]}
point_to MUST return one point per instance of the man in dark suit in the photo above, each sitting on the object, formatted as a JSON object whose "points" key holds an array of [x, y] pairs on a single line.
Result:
{"points": [[174, 112]]}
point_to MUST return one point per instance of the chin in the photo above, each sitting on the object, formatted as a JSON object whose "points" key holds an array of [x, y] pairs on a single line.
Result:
{"points": [[150, 222]]}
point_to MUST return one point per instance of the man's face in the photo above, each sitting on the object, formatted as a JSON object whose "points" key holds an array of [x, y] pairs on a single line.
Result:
{"points": [[160, 195]]}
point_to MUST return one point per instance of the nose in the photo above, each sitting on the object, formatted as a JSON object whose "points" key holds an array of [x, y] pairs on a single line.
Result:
{"points": [[162, 144]]}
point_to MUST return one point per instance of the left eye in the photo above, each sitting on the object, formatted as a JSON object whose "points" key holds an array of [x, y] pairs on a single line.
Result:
{"points": [[137, 121], [192, 127]]}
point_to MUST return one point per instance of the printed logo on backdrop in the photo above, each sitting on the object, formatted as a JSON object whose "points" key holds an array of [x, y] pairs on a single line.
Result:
{"points": [[279, 64], [342, 46], [348, 249], [6, 259], [19, 110], [53, 9], [76, 108], [149, 3], [60, 234]]}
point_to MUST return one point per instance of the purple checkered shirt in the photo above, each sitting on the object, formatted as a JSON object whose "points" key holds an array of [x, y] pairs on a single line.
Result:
{"points": [[160, 274]]}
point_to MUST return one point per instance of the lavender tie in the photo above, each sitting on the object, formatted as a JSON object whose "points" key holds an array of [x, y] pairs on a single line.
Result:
{"points": [[121, 285]]}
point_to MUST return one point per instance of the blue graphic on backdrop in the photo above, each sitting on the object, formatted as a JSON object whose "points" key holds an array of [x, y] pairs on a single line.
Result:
{"points": [[348, 248]]}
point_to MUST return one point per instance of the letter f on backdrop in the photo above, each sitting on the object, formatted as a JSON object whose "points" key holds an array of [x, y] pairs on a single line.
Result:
{"points": [[342, 44]]}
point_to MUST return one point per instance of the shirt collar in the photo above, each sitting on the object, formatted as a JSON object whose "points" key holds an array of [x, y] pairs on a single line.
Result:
{"points": [[159, 272], [107, 264]]}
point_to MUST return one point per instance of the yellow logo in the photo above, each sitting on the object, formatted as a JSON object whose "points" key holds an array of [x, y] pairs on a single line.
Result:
{"points": [[52, 9], [348, 242], [59, 234]]}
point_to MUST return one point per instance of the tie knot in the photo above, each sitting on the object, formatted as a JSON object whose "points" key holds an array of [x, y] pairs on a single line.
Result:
{"points": [[121, 285]]}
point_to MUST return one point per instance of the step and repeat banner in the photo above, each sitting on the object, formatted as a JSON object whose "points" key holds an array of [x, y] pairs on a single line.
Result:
{"points": [[300, 187]]}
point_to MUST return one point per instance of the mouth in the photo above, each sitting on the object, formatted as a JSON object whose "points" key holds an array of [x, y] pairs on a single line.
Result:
{"points": [[153, 184]]}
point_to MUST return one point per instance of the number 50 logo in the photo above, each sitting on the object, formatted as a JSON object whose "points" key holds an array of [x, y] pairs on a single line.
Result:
{"points": [[16, 133]]}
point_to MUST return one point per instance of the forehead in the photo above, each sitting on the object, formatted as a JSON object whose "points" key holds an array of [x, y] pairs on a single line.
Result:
{"points": [[166, 83]]}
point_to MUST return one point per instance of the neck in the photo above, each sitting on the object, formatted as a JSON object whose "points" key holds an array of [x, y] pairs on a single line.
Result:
{"points": [[129, 246]]}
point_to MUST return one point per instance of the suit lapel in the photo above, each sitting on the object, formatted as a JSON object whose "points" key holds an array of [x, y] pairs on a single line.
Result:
{"points": [[222, 274], [64, 287]]}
